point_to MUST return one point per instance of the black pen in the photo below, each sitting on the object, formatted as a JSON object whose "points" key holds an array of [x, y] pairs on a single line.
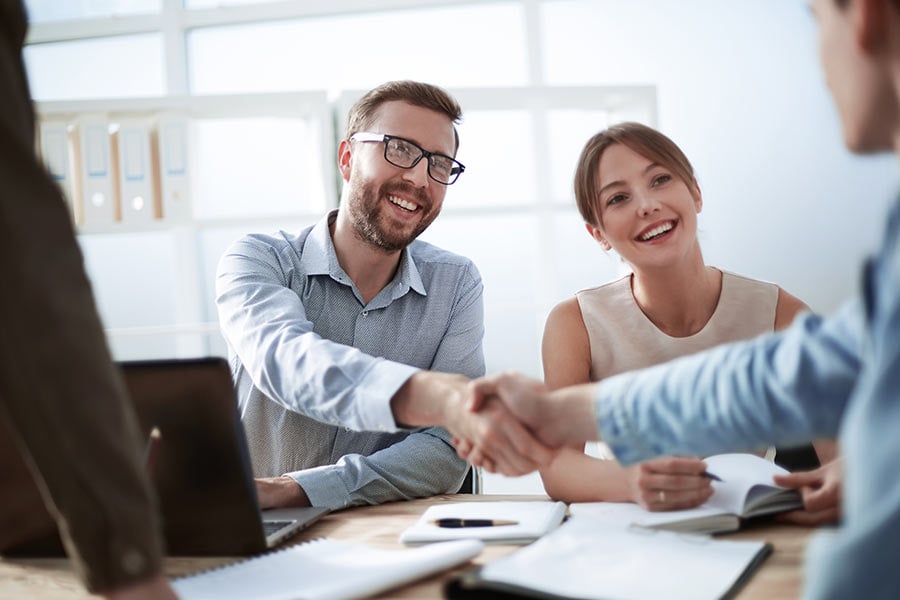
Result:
{"points": [[709, 475], [471, 522]]}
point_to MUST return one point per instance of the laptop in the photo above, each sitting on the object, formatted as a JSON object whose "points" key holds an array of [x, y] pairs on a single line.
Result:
{"points": [[198, 461]]}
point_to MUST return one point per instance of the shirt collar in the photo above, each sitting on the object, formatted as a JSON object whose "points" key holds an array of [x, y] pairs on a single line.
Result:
{"points": [[321, 259]]}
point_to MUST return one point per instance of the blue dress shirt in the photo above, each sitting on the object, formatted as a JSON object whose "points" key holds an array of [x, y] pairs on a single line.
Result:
{"points": [[316, 367], [819, 378]]}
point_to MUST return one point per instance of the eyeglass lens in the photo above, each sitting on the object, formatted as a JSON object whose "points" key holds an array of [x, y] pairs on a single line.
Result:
{"points": [[405, 154]]}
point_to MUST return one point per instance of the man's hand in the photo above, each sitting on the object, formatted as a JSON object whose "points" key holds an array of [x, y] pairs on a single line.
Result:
{"points": [[280, 492], [669, 483], [503, 444], [821, 491], [564, 417], [494, 439]]}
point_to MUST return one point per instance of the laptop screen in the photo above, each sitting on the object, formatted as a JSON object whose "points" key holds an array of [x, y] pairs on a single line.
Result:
{"points": [[199, 462]]}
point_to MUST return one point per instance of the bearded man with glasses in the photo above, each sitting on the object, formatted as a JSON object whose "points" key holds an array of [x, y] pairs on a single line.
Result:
{"points": [[347, 336]]}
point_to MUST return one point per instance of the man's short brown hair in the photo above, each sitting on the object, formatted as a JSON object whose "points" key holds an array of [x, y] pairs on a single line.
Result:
{"points": [[423, 95]]}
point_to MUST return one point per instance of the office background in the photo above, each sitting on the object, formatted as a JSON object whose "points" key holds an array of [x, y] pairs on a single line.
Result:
{"points": [[262, 87]]}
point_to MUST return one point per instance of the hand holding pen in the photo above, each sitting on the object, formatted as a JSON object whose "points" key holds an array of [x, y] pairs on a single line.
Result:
{"points": [[670, 483]]}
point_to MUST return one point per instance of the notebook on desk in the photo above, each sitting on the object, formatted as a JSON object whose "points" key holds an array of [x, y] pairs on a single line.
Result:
{"points": [[199, 463]]}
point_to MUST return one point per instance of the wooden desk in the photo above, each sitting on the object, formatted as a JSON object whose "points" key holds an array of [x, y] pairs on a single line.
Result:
{"points": [[43, 579]]}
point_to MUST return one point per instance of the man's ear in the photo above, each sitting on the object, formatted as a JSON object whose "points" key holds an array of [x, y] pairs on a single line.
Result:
{"points": [[870, 23], [598, 235], [344, 159]]}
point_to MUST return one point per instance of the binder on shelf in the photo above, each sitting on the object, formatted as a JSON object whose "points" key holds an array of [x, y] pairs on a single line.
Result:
{"points": [[134, 176], [169, 141], [53, 141], [93, 166]]}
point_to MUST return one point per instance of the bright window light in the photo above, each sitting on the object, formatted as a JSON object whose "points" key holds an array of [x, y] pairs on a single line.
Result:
{"points": [[497, 148], [362, 51], [125, 66], [257, 167], [41, 11]]}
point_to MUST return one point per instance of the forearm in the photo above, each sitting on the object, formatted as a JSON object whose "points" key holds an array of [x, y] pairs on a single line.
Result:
{"points": [[430, 398], [576, 477], [266, 326]]}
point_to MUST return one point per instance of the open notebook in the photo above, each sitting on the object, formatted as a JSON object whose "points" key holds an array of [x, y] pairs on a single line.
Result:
{"points": [[587, 558], [746, 490], [324, 569]]}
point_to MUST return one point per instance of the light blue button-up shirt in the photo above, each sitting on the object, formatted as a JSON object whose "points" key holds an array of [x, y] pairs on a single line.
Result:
{"points": [[315, 366], [818, 378]]}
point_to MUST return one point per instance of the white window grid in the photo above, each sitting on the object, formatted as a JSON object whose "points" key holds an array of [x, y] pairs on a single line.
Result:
{"points": [[174, 22]]}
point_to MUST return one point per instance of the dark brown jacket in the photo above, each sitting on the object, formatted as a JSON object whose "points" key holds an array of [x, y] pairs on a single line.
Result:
{"points": [[63, 409]]}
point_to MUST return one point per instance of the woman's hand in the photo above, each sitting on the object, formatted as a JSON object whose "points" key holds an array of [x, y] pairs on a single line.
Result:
{"points": [[670, 483]]}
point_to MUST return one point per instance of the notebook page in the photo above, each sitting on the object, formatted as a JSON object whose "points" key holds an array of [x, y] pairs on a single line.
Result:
{"points": [[741, 473], [323, 569], [586, 558], [625, 513]]}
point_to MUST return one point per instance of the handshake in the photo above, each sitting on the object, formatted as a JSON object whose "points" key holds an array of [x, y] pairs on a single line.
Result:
{"points": [[505, 423]]}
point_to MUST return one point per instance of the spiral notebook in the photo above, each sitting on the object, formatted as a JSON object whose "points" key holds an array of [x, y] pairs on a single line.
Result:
{"points": [[323, 569]]}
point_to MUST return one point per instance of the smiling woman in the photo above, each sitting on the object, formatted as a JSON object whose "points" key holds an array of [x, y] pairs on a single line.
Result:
{"points": [[638, 195]]}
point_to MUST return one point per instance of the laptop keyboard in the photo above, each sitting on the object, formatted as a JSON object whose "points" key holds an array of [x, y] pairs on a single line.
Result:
{"points": [[270, 527]]}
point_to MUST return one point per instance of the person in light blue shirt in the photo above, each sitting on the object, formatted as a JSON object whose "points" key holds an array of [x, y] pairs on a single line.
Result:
{"points": [[342, 334], [821, 377]]}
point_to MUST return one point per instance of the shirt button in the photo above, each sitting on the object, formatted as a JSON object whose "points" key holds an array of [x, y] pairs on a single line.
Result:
{"points": [[365, 313], [132, 562]]}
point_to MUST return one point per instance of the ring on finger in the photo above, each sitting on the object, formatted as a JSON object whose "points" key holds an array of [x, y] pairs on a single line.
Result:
{"points": [[662, 496]]}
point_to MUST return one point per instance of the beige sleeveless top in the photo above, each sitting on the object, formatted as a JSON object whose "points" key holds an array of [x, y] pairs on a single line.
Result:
{"points": [[622, 338]]}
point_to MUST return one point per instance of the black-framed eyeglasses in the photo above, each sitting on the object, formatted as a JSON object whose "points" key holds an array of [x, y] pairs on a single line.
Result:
{"points": [[405, 154]]}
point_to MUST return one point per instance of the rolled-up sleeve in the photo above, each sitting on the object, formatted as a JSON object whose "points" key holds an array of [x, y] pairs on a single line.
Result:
{"points": [[422, 464], [783, 388]]}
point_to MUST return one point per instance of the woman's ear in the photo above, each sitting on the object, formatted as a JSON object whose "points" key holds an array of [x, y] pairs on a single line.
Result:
{"points": [[344, 159], [598, 235], [698, 197]]}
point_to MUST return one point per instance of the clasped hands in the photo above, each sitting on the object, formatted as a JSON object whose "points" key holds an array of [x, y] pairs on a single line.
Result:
{"points": [[511, 424], [515, 425], [544, 422]]}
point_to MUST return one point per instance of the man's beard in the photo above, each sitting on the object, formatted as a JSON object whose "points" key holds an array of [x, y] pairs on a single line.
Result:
{"points": [[365, 209]]}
